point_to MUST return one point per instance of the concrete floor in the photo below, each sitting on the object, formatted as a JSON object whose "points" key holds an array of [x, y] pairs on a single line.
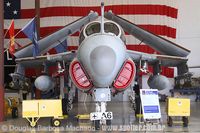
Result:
{"points": [[124, 120]]}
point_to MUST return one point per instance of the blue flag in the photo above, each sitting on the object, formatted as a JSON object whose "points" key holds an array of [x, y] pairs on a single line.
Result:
{"points": [[62, 47], [31, 32]]}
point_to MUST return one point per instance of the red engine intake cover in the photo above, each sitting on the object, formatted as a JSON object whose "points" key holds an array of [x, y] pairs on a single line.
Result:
{"points": [[125, 76], [79, 77]]}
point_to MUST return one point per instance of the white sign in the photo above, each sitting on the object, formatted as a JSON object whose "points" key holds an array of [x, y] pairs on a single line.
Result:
{"points": [[150, 103], [101, 116]]}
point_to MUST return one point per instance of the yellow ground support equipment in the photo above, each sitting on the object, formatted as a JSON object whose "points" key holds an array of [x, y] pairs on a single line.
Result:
{"points": [[178, 107], [33, 110], [83, 120], [11, 107], [83, 117]]}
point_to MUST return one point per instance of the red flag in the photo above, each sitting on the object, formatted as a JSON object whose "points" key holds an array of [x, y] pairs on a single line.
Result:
{"points": [[12, 38]]}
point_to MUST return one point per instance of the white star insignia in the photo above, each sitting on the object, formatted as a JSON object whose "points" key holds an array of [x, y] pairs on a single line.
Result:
{"points": [[8, 4], [15, 12]]}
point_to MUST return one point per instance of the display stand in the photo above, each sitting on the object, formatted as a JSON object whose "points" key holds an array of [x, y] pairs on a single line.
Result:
{"points": [[150, 107]]}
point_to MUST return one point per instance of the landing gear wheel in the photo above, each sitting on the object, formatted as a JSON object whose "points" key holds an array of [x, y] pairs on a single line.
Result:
{"points": [[14, 112], [169, 121], [97, 124], [185, 121], [55, 122], [108, 122]]}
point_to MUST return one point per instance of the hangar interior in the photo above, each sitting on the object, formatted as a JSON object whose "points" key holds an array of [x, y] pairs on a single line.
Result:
{"points": [[86, 66]]}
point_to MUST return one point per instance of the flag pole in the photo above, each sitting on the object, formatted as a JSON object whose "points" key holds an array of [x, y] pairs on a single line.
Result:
{"points": [[37, 12], [9, 40], [1, 61], [6, 33], [8, 28]]}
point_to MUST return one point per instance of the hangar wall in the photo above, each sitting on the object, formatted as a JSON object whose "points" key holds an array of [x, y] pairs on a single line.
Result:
{"points": [[188, 31], [188, 34]]}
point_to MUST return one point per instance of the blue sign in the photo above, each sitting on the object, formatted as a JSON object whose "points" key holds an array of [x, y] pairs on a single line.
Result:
{"points": [[149, 92], [151, 109]]}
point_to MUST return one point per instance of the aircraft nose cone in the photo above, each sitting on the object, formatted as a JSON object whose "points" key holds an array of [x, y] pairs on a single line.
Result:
{"points": [[102, 57], [103, 60]]}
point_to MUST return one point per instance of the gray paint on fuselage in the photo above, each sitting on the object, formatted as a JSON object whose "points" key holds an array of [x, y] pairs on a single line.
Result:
{"points": [[102, 56]]}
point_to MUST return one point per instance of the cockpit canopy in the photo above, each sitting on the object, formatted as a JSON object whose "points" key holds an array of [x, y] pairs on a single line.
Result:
{"points": [[95, 27], [92, 28]]}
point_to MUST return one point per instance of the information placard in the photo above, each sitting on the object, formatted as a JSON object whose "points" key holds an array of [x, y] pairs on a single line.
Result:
{"points": [[150, 103]]}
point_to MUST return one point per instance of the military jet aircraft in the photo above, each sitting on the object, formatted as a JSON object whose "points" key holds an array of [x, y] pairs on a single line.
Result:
{"points": [[102, 66]]}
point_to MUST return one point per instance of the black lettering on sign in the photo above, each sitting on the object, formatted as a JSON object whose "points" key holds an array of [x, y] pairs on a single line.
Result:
{"points": [[109, 115], [104, 115]]}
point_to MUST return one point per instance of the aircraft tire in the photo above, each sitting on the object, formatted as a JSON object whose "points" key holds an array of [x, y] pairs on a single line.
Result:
{"points": [[108, 122], [97, 124]]}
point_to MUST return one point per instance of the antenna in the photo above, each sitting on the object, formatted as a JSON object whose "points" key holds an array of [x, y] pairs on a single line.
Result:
{"points": [[102, 17]]}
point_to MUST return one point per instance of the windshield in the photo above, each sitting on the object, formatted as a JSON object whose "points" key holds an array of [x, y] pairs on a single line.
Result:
{"points": [[92, 28], [112, 28]]}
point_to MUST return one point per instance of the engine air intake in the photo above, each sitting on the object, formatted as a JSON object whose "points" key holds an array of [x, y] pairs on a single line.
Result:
{"points": [[125, 76], [79, 76]]}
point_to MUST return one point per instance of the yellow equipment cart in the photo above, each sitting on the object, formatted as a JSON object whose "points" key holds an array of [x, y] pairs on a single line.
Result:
{"points": [[178, 108], [33, 110]]}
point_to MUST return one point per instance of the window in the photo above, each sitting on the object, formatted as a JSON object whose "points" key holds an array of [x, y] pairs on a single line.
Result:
{"points": [[112, 28], [92, 28]]}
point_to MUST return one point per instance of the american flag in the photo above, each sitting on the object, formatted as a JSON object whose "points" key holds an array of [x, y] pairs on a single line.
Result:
{"points": [[12, 9], [157, 16]]}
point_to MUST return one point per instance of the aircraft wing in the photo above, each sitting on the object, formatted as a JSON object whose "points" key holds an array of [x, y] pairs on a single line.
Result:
{"points": [[164, 60], [49, 60], [158, 43]]}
